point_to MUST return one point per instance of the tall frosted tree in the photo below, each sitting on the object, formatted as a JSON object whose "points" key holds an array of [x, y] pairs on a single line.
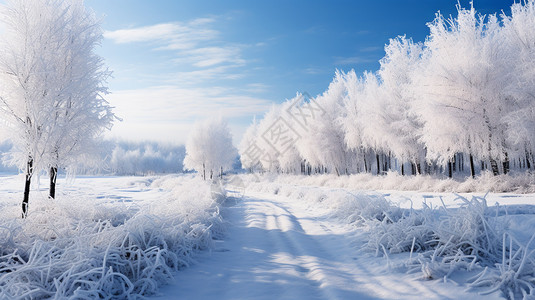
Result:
{"points": [[402, 125], [247, 143], [461, 84], [52, 85], [323, 143], [209, 148], [519, 38]]}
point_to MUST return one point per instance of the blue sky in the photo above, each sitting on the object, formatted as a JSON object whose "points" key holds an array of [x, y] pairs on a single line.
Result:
{"points": [[176, 62]]}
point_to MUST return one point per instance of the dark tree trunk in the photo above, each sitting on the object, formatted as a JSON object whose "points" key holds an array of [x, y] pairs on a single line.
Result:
{"points": [[506, 164], [53, 176], [378, 164], [472, 169], [29, 173], [450, 169], [418, 168], [528, 164], [203, 172], [494, 167], [365, 164], [402, 169]]}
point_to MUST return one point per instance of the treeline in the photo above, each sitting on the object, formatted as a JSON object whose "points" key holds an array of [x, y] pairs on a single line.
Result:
{"points": [[119, 157], [462, 101]]}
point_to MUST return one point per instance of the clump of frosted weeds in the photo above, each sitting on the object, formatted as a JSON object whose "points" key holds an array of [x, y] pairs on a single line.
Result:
{"points": [[514, 274], [442, 241], [60, 253]]}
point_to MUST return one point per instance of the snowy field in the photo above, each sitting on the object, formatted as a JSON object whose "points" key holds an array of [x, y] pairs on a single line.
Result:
{"points": [[122, 237]]}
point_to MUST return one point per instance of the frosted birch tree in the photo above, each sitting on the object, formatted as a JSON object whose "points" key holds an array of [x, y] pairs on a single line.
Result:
{"points": [[52, 85]]}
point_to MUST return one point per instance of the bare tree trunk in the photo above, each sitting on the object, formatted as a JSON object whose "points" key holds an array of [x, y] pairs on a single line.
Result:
{"points": [[450, 169], [29, 173], [494, 167], [203, 171], [472, 169], [506, 165], [528, 164], [53, 177], [402, 169], [378, 164]]}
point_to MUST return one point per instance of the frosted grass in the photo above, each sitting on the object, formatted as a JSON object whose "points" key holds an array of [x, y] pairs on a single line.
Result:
{"points": [[88, 248]]}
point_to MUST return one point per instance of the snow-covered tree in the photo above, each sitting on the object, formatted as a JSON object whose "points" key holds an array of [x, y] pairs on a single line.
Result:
{"points": [[519, 38], [402, 126], [323, 143], [80, 112], [51, 84], [461, 89], [246, 145], [263, 151], [209, 148], [350, 120]]}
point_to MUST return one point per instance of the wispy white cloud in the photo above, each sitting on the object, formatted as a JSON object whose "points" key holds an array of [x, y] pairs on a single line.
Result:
{"points": [[353, 60], [313, 71], [195, 43], [211, 56], [172, 35], [371, 49]]}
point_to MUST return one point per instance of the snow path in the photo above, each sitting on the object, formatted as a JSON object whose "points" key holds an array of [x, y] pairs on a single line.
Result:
{"points": [[279, 249]]}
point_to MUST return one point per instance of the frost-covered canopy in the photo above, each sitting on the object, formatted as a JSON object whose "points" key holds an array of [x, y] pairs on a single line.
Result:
{"points": [[209, 147], [52, 82]]}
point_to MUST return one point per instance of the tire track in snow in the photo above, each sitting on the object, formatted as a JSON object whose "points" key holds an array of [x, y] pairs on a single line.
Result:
{"points": [[309, 256]]}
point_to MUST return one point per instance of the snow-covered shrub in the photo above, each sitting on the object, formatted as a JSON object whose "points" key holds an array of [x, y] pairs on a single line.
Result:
{"points": [[91, 248]]}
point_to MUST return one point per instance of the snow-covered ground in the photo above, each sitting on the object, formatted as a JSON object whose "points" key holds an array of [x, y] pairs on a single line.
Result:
{"points": [[103, 237], [282, 241]]}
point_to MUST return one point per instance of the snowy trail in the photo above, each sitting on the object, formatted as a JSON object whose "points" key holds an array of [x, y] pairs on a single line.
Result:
{"points": [[278, 249]]}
